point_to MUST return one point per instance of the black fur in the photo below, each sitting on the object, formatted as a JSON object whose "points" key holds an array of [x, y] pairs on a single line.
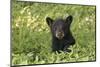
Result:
{"points": [[61, 35]]}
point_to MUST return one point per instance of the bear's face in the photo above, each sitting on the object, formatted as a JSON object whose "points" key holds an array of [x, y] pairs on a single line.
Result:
{"points": [[59, 27]]}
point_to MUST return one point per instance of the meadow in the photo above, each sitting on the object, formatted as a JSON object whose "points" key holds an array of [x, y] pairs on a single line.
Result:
{"points": [[31, 36]]}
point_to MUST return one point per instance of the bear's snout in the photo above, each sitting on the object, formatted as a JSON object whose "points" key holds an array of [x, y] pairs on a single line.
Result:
{"points": [[59, 35]]}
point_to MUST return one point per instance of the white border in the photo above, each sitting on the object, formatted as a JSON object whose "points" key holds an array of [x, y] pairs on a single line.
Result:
{"points": [[5, 34], [83, 2]]}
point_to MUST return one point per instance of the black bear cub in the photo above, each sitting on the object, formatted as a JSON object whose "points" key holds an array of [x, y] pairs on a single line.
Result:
{"points": [[61, 35]]}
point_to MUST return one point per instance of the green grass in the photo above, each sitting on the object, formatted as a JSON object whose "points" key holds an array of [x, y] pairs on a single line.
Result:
{"points": [[31, 37]]}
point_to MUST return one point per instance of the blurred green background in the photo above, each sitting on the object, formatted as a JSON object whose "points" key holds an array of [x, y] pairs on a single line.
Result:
{"points": [[31, 37]]}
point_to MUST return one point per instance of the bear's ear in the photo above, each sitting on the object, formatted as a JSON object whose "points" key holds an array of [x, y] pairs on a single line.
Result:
{"points": [[49, 21], [69, 19]]}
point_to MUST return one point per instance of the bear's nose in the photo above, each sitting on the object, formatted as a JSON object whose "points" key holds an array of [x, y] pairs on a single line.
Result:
{"points": [[60, 35]]}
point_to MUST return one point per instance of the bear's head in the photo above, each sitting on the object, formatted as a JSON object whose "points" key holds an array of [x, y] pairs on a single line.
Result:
{"points": [[59, 27]]}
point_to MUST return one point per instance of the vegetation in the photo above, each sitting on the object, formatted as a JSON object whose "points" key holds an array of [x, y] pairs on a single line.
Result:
{"points": [[31, 37]]}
